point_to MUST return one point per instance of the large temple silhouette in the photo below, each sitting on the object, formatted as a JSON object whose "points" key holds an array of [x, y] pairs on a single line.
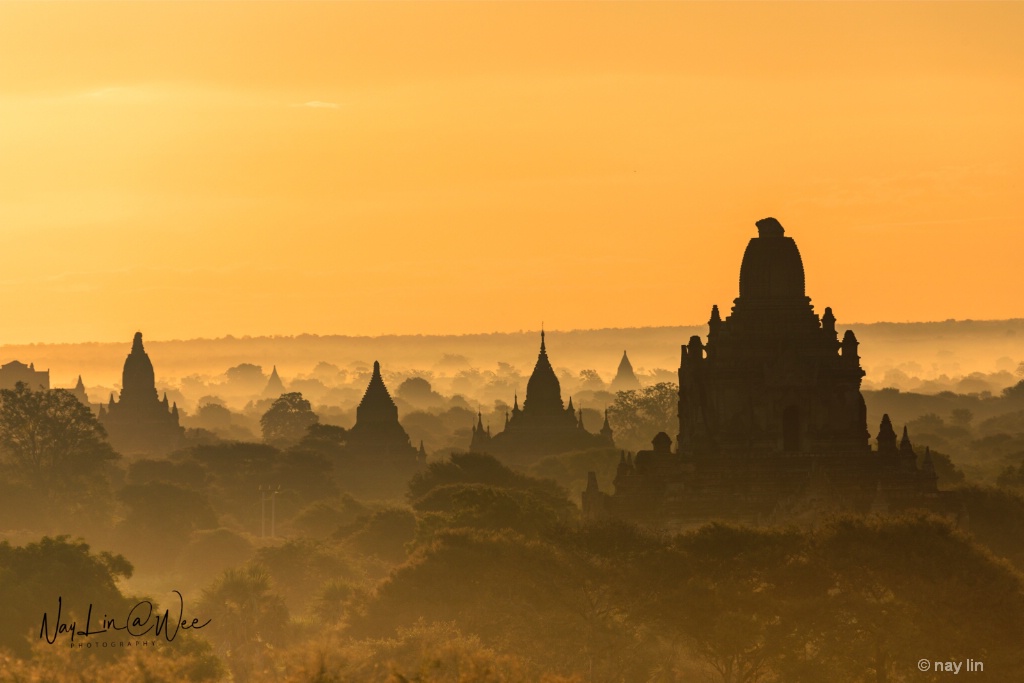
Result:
{"points": [[139, 422], [771, 418], [544, 425]]}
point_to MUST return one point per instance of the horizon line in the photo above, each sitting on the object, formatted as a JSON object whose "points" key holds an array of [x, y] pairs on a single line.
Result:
{"points": [[388, 335]]}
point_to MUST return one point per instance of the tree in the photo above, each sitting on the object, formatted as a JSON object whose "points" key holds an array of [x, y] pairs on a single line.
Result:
{"points": [[385, 534], [903, 585], [299, 567], [288, 420], [1011, 477], [32, 576], [949, 475], [250, 619], [639, 414], [50, 439], [476, 468], [247, 377], [962, 417], [418, 391], [1016, 392], [736, 598], [486, 507], [159, 518], [591, 381], [212, 416], [324, 438]]}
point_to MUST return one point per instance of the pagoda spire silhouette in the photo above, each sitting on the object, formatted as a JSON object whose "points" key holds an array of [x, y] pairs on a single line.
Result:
{"points": [[625, 379], [139, 421], [275, 387], [377, 430], [543, 425]]}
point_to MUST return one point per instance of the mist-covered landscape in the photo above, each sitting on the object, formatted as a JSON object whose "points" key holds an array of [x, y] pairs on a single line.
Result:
{"points": [[312, 562], [511, 342]]}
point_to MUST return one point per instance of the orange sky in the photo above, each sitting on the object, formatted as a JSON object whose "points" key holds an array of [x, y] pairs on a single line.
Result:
{"points": [[203, 169]]}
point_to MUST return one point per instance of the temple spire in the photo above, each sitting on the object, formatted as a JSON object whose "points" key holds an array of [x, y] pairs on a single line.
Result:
{"points": [[715, 321], [377, 431], [828, 322], [886, 436], [143, 419], [275, 387], [928, 465], [543, 392], [906, 448], [625, 379], [606, 429], [377, 405], [138, 383]]}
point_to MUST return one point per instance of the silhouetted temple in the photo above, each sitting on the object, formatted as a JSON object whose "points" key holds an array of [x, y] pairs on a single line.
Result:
{"points": [[771, 418], [79, 392], [625, 378], [377, 431], [544, 425], [16, 371], [139, 422], [275, 387]]}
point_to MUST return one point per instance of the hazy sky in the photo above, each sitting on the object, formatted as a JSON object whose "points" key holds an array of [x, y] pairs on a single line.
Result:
{"points": [[202, 169]]}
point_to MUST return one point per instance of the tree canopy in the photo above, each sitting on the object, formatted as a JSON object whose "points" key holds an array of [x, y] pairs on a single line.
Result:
{"points": [[33, 576], [287, 420], [639, 414], [50, 439]]}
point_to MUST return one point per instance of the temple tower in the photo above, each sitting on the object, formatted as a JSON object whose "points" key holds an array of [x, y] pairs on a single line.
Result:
{"points": [[544, 425], [139, 422], [377, 430], [275, 387], [625, 378], [773, 377]]}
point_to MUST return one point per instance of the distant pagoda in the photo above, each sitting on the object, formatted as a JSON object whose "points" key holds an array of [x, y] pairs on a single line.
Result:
{"points": [[139, 422], [544, 425], [275, 387], [79, 392], [377, 431], [625, 378]]}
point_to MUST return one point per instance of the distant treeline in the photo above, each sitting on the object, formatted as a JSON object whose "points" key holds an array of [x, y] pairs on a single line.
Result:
{"points": [[906, 351]]}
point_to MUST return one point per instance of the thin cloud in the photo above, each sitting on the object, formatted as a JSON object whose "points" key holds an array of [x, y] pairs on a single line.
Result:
{"points": [[317, 104]]}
